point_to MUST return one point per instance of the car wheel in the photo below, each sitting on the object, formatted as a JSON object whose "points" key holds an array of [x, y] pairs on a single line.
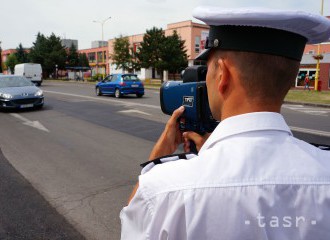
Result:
{"points": [[98, 91], [117, 93], [139, 95], [39, 84]]}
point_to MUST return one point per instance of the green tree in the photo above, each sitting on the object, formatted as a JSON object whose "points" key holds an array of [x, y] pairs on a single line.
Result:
{"points": [[173, 54], [150, 50], [11, 62], [57, 55], [21, 54], [39, 50], [83, 60], [49, 52], [121, 56], [73, 57]]}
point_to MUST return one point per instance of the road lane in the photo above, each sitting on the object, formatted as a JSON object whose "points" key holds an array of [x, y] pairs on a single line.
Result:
{"points": [[88, 162], [24, 213], [297, 116], [151, 95]]}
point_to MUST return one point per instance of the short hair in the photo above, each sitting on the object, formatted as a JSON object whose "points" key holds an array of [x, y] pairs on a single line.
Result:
{"points": [[264, 77]]}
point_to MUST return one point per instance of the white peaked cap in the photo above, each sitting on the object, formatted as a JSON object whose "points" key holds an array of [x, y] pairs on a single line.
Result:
{"points": [[283, 33], [314, 27]]}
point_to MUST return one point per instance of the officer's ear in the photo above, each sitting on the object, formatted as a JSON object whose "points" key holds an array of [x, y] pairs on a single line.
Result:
{"points": [[224, 75]]}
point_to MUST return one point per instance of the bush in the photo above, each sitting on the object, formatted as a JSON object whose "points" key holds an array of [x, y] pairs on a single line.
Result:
{"points": [[90, 80], [97, 77]]}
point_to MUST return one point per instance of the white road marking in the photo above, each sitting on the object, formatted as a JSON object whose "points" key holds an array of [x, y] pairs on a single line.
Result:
{"points": [[310, 131], [76, 100], [309, 110], [315, 112], [129, 104], [134, 111], [34, 124], [293, 106], [106, 100]]}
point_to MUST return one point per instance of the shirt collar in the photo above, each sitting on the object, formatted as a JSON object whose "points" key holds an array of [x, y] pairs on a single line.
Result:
{"points": [[257, 121]]}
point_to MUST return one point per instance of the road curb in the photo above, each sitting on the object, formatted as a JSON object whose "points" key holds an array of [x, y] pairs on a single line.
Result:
{"points": [[151, 87], [308, 104]]}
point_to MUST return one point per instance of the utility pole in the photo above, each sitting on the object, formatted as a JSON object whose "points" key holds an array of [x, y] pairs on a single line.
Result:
{"points": [[318, 57], [102, 22]]}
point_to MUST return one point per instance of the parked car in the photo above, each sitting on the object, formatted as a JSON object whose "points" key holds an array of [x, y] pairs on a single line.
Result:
{"points": [[19, 92], [119, 85], [31, 71]]}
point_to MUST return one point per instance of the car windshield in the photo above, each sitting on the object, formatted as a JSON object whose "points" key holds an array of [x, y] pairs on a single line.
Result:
{"points": [[130, 78], [14, 81]]}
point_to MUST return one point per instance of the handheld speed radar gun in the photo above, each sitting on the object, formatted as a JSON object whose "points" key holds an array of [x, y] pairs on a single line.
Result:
{"points": [[191, 93]]}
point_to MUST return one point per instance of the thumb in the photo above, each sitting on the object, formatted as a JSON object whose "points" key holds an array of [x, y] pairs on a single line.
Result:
{"points": [[175, 115], [178, 112]]}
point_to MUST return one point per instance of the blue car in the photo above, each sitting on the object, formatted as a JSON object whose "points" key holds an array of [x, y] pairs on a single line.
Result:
{"points": [[19, 92], [119, 85]]}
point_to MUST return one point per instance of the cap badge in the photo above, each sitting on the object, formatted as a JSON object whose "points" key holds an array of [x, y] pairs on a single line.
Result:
{"points": [[216, 43]]}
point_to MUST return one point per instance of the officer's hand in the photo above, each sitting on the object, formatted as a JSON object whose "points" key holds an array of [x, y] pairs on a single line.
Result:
{"points": [[196, 138], [171, 137]]}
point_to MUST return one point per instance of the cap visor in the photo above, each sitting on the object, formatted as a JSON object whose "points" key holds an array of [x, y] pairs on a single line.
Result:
{"points": [[203, 55]]}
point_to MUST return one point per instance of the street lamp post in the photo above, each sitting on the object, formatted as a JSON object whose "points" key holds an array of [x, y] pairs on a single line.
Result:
{"points": [[102, 22], [56, 66]]}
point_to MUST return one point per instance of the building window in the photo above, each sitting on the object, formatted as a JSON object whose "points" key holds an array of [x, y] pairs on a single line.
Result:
{"points": [[204, 35], [311, 52], [300, 80], [100, 57], [91, 57], [197, 44]]}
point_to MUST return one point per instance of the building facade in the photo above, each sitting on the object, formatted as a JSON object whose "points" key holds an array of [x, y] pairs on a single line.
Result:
{"points": [[98, 44], [98, 60], [194, 35], [67, 43], [308, 66]]}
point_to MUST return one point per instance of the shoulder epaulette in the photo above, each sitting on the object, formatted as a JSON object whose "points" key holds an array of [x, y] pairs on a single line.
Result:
{"points": [[321, 146], [168, 158]]}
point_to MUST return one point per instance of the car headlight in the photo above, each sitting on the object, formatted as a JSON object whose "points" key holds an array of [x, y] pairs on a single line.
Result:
{"points": [[38, 93], [6, 95]]}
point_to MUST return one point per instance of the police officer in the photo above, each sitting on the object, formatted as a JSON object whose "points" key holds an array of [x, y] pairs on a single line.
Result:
{"points": [[251, 179]]}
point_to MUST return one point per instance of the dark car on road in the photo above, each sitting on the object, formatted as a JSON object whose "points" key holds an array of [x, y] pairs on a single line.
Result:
{"points": [[119, 85], [19, 92]]}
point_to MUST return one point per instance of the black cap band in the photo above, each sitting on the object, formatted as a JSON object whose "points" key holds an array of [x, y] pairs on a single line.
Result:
{"points": [[257, 39]]}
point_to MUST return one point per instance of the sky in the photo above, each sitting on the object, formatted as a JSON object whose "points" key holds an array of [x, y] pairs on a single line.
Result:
{"points": [[21, 20]]}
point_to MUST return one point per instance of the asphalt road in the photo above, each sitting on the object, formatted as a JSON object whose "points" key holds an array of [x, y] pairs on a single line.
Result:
{"points": [[24, 213], [82, 153]]}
